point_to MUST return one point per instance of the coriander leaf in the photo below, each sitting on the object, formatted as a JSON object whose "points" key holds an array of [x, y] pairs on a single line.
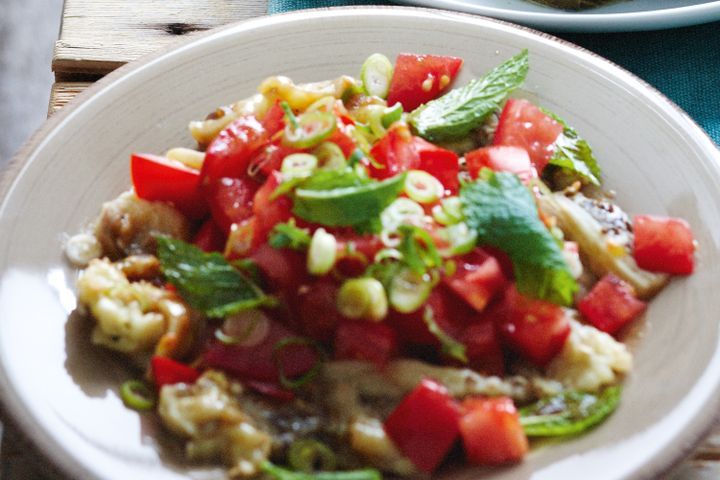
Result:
{"points": [[448, 345], [345, 205], [206, 280], [331, 179], [288, 235], [503, 213], [463, 109], [279, 473], [568, 413], [573, 154]]}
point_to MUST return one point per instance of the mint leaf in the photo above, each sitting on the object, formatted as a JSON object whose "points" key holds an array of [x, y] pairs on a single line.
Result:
{"points": [[206, 280], [288, 235], [279, 473], [463, 109], [335, 204], [573, 154], [568, 413], [503, 213]]}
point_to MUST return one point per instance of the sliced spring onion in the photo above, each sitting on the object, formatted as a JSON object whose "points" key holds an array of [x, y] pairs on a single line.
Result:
{"points": [[279, 473], [374, 120], [401, 211], [423, 187], [247, 328], [298, 165], [460, 239], [290, 115], [298, 382], [362, 298], [388, 254], [329, 156], [449, 211], [311, 129], [392, 115], [448, 345], [137, 395], [356, 157], [409, 290], [376, 74], [324, 104], [309, 455], [322, 252]]}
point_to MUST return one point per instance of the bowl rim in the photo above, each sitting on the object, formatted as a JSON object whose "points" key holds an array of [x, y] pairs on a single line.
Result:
{"points": [[22, 417]]}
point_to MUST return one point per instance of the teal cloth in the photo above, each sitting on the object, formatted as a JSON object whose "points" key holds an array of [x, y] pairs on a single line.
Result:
{"points": [[683, 63]]}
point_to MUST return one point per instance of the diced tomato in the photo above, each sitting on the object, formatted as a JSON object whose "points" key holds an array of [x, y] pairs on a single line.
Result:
{"points": [[157, 178], [482, 348], [274, 119], [166, 371], [259, 361], [317, 310], [283, 269], [229, 154], [367, 341], [270, 157], [417, 79], [501, 159], [270, 389], [343, 139], [477, 279], [535, 329], [231, 200], [522, 124], [491, 431], [611, 304], [242, 239], [449, 314], [210, 238], [395, 153], [425, 424], [440, 163], [664, 244], [270, 212]]}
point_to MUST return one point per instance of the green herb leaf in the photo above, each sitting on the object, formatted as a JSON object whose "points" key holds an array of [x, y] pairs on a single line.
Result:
{"points": [[288, 235], [280, 473], [418, 249], [206, 280], [503, 213], [342, 205], [574, 155], [448, 345], [568, 413], [463, 109]]}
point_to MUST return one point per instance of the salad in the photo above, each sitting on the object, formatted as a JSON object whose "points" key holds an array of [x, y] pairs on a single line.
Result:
{"points": [[373, 276]]}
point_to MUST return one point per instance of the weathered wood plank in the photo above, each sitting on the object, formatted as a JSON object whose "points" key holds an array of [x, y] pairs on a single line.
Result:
{"points": [[97, 36], [63, 92]]}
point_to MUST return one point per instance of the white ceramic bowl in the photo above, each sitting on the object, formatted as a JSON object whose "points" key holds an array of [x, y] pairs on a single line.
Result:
{"points": [[63, 392]]}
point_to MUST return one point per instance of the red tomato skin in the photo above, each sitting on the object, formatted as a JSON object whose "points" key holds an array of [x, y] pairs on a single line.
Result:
{"points": [[157, 178], [256, 362], [229, 154], [284, 270], [477, 279], [270, 157], [231, 201], [395, 153], [270, 389], [342, 138], [483, 348], [316, 308], [274, 119], [522, 124], [664, 244], [425, 425], [366, 341], [611, 304], [491, 431], [166, 371], [535, 329], [501, 158], [209, 238], [448, 313], [411, 71], [440, 163], [270, 212]]}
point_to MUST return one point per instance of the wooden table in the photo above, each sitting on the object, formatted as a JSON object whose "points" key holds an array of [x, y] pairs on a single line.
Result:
{"points": [[98, 36]]}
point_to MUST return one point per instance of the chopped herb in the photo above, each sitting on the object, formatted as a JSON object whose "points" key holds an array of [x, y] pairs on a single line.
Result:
{"points": [[503, 213], [288, 235], [418, 249], [448, 345], [568, 413], [279, 473], [206, 280], [458, 112], [574, 155]]}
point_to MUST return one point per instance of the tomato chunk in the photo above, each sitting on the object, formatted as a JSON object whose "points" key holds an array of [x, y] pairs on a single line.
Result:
{"points": [[417, 79], [166, 371], [664, 244], [522, 124], [424, 425], [535, 329], [483, 349], [229, 154], [209, 238], [491, 431], [370, 342], [394, 153], [157, 178], [283, 269], [230, 201], [477, 279], [501, 159], [611, 304], [270, 212], [440, 163], [317, 309]]}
